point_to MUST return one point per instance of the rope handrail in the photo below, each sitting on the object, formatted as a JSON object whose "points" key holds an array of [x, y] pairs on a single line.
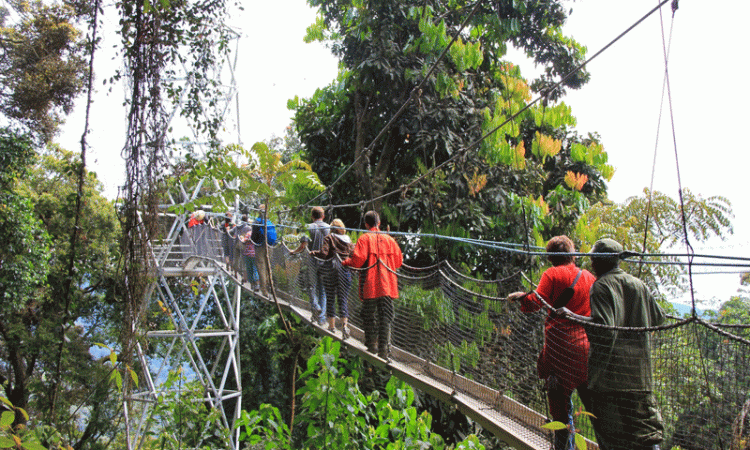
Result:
{"points": [[539, 251]]}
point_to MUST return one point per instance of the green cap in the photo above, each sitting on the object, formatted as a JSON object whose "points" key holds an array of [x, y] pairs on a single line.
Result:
{"points": [[606, 246]]}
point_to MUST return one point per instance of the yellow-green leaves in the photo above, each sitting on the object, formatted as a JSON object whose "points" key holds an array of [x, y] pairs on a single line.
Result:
{"points": [[580, 441], [556, 116], [466, 56], [516, 92], [316, 31], [7, 419], [434, 37], [593, 155], [20, 436]]}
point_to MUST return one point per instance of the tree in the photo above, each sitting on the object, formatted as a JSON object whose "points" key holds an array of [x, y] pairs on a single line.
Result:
{"points": [[23, 264], [652, 223], [289, 146], [460, 115], [42, 65], [31, 332], [256, 174]]}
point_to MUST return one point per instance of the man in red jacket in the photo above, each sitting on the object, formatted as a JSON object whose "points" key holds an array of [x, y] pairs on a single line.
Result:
{"points": [[381, 256]]}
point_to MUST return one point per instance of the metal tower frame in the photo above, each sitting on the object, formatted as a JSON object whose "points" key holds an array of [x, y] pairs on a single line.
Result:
{"points": [[191, 299]]}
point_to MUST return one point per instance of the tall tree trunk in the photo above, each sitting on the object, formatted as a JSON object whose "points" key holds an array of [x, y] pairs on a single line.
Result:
{"points": [[362, 160], [293, 391], [15, 389]]}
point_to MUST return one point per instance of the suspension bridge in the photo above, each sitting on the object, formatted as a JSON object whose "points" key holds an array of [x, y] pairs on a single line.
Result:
{"points": [[454, 337]]}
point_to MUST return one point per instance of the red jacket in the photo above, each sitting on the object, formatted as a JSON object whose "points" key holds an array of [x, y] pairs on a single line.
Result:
{"points": [[566, 346], [379, 252]]}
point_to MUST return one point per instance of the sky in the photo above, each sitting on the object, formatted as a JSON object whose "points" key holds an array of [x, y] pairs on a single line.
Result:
{"points": [[709, 98]]}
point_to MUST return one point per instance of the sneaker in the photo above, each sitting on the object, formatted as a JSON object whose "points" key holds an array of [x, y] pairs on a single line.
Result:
{"points": [[345, 333]]}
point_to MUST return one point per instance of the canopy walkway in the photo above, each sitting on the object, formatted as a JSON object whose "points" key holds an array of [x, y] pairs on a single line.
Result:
{"points": [[453, 337]]}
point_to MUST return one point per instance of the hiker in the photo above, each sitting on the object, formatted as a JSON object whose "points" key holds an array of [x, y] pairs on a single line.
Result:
{"points": [[562, 363], [318, 230], [336, 247], [378, 285], [262, 240], [620, 377]]}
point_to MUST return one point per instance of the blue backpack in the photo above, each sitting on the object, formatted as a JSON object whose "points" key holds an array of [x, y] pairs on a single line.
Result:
{"points": [[258, 225]]}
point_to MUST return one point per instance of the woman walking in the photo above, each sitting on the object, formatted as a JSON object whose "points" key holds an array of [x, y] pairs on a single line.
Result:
{"points": [[336, 247]]}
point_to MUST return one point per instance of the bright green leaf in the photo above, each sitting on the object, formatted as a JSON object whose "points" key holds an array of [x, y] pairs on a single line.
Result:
{"points": [[555, 426], [7, 419]]}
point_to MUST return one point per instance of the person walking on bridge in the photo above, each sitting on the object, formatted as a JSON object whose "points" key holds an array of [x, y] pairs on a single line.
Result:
{"points": [[263, 235], [562, 362], [380, 256], [337, 246], [316, 269], [620, 369]]}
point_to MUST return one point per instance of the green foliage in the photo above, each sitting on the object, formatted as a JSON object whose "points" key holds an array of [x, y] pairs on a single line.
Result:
{"points": [[388, 48], [262, 174], [24, 253], [42, 66], [336, 414], [116, 373], [334, 411], [14, 434], [35, 327], [453, 356], [264, 427], [736, 311], [431, 308], [580, 441], [658, 219], [186, 419]]}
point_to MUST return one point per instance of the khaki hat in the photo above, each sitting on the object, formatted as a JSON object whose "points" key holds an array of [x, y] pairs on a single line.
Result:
{"points": [[199, 215]]}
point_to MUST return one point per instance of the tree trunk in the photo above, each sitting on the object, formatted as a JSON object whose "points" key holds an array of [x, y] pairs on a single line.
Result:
{"points": [[293, 392]]}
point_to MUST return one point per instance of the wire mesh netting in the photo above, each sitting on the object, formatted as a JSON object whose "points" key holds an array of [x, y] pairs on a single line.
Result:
{"points": [[461, 332]]}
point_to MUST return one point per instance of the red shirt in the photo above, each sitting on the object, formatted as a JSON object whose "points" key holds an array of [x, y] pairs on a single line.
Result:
{"points": [[379, 252]]}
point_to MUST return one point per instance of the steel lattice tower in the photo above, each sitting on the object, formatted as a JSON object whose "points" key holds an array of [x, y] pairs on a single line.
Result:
{"points": [[187, 345]]}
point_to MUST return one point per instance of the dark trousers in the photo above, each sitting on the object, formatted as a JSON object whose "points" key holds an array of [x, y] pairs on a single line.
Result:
{"points": [[338, 282], [561, 410], [625, 420], [377, 319]]}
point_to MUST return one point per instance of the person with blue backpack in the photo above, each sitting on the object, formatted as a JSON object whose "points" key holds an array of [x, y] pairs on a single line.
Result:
{"points": [[263, 235]]}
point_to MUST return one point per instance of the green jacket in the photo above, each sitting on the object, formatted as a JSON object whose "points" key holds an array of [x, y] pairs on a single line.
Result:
{"points": [[621, 360]]}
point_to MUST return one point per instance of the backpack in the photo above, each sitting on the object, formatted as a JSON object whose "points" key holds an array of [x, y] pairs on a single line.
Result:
{"points": [[271, 238]]}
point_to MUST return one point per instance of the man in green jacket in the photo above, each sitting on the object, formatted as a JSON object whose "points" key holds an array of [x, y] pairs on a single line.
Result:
{"points": [[620, 378]]}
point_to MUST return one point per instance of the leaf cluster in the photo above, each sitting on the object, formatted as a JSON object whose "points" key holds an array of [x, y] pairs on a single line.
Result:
{"points": [[657, 223], [42, 66], [335, 413], [257, 173]]}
